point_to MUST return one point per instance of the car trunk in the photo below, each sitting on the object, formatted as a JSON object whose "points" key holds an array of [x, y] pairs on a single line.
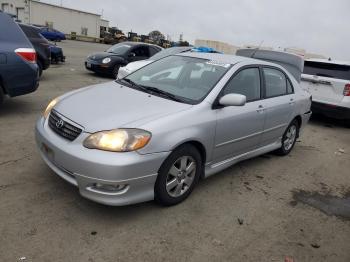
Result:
{"points": [[325, 81], [292, 63]]}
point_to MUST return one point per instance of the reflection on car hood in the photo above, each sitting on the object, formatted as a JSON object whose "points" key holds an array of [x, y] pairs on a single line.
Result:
{"points": [[111, 105], [131, 67], [100, 55]]}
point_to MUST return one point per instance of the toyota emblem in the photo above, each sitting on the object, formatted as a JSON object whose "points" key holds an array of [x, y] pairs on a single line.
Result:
{"points": [[59, 123]]}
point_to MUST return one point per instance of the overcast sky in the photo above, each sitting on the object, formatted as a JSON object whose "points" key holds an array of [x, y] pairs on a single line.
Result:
{"points": [[319, 26]]}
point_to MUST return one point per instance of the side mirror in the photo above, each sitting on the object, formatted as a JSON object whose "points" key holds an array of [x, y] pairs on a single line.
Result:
{"points": [[132, 54], [233, 100]]}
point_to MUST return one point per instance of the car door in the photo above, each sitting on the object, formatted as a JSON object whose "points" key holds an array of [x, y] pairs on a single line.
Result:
{"points": [[278, 104], [239, 128]]}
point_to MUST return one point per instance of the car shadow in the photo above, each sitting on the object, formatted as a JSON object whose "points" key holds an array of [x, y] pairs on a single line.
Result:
{"points": [[16, 106], [321, 120]]}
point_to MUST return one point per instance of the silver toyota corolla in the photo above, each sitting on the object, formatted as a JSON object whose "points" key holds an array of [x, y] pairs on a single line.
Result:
{"points": [[155, 133]]}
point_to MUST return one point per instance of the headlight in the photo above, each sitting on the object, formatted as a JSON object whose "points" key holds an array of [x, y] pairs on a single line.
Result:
{"points": [[118, 140], [49, 107], [106, 60]]}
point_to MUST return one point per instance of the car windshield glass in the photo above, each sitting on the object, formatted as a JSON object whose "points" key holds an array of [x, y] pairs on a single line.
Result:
{"points": [[169, 51], [189, 79], [119, 49], [327, 70]]}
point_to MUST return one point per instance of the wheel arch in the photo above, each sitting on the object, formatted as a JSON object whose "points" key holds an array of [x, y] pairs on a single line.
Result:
{"points": [[199, 146], [300, 121]]}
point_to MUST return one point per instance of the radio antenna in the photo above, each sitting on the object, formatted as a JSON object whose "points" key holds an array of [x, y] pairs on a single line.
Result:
{"points": [[257, 49]]}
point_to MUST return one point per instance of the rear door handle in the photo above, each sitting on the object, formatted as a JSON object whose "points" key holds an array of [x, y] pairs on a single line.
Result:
{"points": [[291, 101]]}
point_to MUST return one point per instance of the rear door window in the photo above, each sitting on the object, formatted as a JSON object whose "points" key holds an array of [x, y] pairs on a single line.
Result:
{"points": [[327, 70], [275, 82]]}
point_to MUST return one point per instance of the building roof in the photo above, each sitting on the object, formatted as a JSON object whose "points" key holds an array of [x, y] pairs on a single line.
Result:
{"points": [[63, 7]]}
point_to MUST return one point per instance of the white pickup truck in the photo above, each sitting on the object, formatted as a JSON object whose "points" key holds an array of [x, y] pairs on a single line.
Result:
{"points": [[329, 84]]}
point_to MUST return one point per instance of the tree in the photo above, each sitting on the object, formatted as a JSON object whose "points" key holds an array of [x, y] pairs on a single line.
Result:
{"points": [[156, 36]]}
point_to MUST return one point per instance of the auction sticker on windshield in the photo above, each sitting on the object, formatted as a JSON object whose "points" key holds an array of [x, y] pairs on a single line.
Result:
{"points": [[216, 63]]}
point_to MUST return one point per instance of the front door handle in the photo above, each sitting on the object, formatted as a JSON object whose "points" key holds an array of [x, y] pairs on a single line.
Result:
{"points": [[291, 101], [260, 109]]}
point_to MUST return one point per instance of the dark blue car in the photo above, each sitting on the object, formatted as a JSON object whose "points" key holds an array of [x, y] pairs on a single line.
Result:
{"points": [[52, 34], [18, 68]]}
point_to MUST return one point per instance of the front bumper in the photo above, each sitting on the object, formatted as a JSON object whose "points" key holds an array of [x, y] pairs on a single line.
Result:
{"points": [[85, 168], [98, 67]]}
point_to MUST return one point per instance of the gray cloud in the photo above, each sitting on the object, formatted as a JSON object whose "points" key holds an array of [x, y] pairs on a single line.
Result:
{"points": [[317, 26]]}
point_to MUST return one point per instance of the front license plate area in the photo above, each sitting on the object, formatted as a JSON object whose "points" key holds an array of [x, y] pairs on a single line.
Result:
{"points": [[88, 65]]}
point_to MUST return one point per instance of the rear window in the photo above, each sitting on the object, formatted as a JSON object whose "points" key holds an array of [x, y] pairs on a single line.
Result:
{"points": [[30, 31], [327, 70]]}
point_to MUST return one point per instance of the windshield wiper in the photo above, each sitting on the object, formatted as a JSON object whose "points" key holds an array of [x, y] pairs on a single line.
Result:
{"points": [[152, 90], [164, 93], [133, 84]]}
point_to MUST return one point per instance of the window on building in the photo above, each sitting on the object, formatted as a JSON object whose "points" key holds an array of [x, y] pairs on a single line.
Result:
{"points": [[49, 24], [5, 7], [84, 31]]}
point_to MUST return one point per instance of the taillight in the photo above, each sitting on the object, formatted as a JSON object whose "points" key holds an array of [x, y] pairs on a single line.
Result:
{"points": [[347, 90], [27, 54]]}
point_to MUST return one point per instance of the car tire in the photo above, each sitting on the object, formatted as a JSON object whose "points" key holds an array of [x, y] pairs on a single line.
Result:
{"points": [[115, 71], [178, 176], [289, 138], [40, 67]]}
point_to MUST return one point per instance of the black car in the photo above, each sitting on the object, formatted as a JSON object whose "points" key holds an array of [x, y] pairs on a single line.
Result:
{"points": [[18, 68], [41, 46], [111, 60]]}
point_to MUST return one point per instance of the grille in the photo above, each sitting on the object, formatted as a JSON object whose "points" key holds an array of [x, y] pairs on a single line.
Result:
{"points": [[63, 128]]}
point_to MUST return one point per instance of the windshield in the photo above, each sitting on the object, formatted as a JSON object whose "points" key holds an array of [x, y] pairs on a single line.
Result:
{"points": [[119, 49], [169, 51], [189, 79]]}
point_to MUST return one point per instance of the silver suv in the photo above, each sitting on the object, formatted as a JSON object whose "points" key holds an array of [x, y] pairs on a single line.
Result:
{"points": [[329, 84]]}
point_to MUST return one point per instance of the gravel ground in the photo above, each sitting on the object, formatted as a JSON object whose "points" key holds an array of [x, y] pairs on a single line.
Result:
{"points": [[245, 213]]}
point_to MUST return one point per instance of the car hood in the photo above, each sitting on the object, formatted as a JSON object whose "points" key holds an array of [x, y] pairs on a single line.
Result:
{"points": [[131, 67], [111, 105], [100, 55]]}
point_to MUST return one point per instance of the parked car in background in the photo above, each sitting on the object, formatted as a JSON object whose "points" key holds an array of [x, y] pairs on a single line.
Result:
{"points": [[131, 67], [156, 132], [329, 84], [56, 54], [18, 68], [52, 34], [41, 46], [111, 60]]}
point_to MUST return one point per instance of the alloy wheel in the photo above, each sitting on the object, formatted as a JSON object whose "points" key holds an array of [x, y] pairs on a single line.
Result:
{"points": [[290, 137], [181, 176]]}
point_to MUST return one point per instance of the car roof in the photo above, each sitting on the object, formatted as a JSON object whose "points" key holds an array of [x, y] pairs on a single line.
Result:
{"points": [[336, 62], [12, 33], [138, 43], [225, 59]]}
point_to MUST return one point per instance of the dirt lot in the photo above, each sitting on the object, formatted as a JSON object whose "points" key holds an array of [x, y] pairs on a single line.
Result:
{"points": [[43, 218]]}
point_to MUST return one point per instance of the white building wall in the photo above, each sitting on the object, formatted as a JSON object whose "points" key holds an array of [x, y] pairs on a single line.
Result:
{"points": [[64, 20], [18, 8]]}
